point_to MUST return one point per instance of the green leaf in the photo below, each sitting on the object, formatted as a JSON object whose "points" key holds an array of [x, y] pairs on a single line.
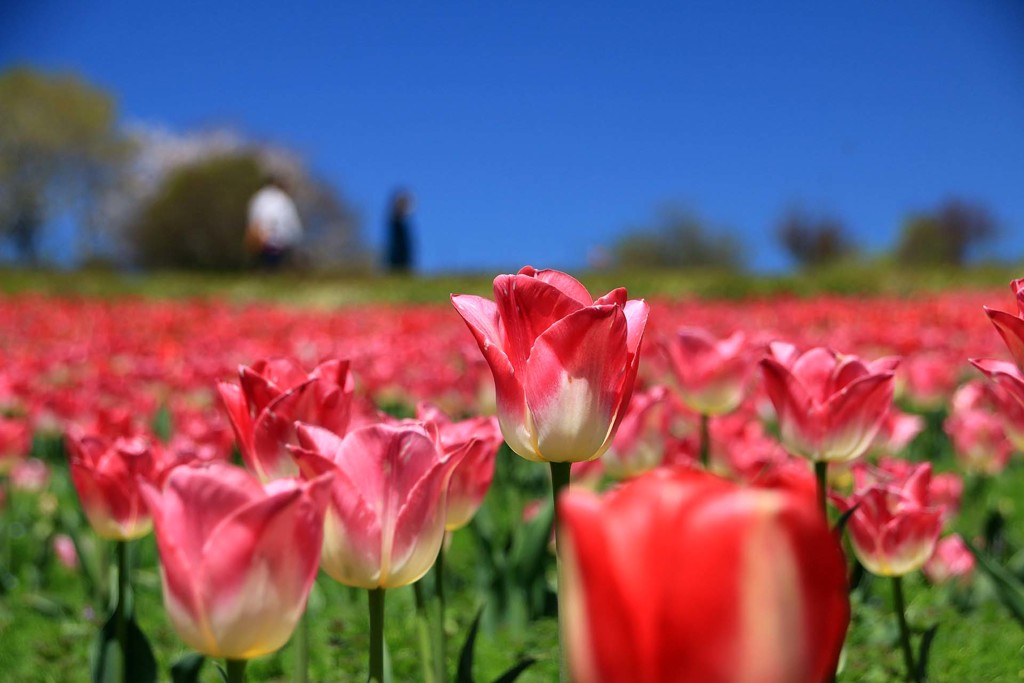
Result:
{"points": [[140, 665], [530, 547], [1010, 588], [162, 424], [187, 668], [923, 651], [513, 673], [464, 674], [844, 518]]}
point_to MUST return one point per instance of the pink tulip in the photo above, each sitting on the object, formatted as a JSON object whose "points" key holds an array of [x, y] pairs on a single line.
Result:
{"points": [[829, 406], [951, 560], [678, 575], [644, 436], [273, 395], [475, 443], [895, 525], [65, 552], [237, 558], [979, 441], [928, 378], [711, 373], [945, 491], [386, 518], [563, 364], [30, 475], [897, 431], [106, 474]]}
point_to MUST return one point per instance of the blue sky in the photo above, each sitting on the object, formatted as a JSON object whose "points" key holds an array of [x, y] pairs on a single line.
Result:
{"points": [[532, 132]]}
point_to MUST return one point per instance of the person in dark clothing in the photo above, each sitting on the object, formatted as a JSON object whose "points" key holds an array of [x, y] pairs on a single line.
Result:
{"points": [[399, 258]]}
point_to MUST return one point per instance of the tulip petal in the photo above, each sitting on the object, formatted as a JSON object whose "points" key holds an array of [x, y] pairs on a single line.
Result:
{"points": [[855, 416], [268, 548], [800, 424], [238, 414], [1011, 329], [528, 307], [575, 374], [563, 282]]}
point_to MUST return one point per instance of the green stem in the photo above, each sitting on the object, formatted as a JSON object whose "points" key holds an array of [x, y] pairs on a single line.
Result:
{"points": [[236, 670], [423, 630], [705, 441], [441, 658], [901, 617], [120, 618], [7, 517], [560, 472], [821, 476], [302, 648], [376, 635]]}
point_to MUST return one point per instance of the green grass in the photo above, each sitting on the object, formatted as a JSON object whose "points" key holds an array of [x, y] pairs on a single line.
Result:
{"points": [[328, 290]]}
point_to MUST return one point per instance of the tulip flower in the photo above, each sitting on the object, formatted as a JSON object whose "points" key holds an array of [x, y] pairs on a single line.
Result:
{"points": [[829, 406], [893, 530], [895, 525], [563, 363], [106, 474], [386, 519], [711, 373], [951, 560], [979, 440], [273, 395], [679, 575], [644, 436], [237, 558]]}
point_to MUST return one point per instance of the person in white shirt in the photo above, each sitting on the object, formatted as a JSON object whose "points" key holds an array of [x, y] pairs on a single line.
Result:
{"points": [[274, 225]]}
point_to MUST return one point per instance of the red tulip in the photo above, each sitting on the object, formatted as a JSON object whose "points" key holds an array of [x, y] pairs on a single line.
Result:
{"points": [[711, 373], [829, 406], [563, 364], [681, 576], [237, 558], [895, 525], [273, 395], [475, 443], [386, 518], [15, 443], [106, 474]]}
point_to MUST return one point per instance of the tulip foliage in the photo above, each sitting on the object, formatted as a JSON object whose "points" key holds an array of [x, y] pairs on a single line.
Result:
{"points": [[742, 488]]}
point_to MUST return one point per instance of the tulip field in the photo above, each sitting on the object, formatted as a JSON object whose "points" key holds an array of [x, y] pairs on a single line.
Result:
{"points": [[762, 483]]}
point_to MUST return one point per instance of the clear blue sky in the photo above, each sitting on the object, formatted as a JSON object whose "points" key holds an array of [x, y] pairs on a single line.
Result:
{"points": [[532, 131]]}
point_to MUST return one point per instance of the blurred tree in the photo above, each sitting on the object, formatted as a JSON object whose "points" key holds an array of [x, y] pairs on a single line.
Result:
{"points": [[814, 240], [197, 218], [142, 207], [58, 144], [946, 235], [678, 239]]}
